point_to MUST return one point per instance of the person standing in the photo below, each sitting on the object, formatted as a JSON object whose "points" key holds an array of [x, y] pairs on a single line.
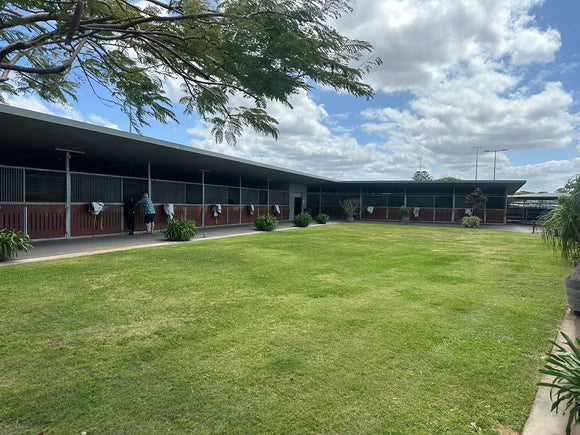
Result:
{"points": [[148, 213], [129, 212]]}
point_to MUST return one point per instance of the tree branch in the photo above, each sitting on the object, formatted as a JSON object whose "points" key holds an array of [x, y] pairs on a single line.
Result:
{"points": [[53, 70]]}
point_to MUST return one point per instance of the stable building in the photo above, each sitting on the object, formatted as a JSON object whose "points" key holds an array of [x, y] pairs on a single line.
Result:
{"points": [[52, 170]]}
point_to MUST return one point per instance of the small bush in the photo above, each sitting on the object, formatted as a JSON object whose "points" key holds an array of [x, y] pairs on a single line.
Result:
{"points": [[350, 206], [404, 212], [322, 218], [302, 220], [470, 221], [266, 223], [180, 230], [11, 242]]}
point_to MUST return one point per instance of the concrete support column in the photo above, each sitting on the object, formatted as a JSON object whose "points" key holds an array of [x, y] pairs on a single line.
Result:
{"points": [[202, 198], [360, 204], [149, 179], [268, 195], [453, 207], [67, 209], [505, 208], [25, 223]]}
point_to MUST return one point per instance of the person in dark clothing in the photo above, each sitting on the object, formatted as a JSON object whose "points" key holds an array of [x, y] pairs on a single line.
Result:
{"points": [[129, 212]]}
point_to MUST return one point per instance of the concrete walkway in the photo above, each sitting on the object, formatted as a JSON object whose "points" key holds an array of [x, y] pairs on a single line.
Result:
{"points": [[62, 248], [541, 420]]}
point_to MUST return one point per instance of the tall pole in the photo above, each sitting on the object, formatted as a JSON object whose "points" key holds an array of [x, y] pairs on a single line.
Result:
{"points": [[420, 164], [476, 159], [67, 211], [495, 157]]}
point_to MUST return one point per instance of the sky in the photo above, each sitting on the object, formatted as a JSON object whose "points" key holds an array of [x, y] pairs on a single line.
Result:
{"points": [[460, 81]]}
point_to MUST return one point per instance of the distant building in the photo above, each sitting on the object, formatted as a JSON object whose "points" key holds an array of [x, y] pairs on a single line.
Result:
{"points": [[527, 208]]}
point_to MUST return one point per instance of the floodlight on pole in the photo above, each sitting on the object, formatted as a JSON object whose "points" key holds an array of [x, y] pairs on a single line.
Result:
{"points": [[494, 157]]}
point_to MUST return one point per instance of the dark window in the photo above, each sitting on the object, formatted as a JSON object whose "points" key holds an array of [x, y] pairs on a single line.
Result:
{"points": [[88, 188], [251, 196], [445, 201], [194, 194], [134, 187], [45, 186], [233, 195], [495, 202], [216, 194], [167, 192]]}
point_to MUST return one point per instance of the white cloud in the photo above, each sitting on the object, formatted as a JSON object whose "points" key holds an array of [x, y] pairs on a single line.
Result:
{"points": [[32, 102], [546, 176], [99, 120], [422, 42]]}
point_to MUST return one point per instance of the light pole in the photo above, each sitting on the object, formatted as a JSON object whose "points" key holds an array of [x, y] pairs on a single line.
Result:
{"points": [[476, 158], [494, 158], [420, 163]]}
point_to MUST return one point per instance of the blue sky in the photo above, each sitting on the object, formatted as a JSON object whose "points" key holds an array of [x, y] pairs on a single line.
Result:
{"points": [[458, 77]]}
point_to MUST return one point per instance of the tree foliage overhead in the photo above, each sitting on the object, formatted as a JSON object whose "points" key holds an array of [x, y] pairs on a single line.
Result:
{"points": [[572, 185], [263, 50]]}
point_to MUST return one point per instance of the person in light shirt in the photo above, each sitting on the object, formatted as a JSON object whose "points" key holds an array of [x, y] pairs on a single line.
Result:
{"points": [[148, 212]]}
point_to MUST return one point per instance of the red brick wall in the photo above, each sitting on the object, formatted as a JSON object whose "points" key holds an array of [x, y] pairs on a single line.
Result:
{"points": [[84, 223], [494, 216], [379, 213], [248, 218], [46, 221], [12, 217], [443, 214]]}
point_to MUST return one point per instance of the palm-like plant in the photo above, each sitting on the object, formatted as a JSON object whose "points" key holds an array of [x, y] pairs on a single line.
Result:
{"points": [[11, 242], [561, 227], [350, 206], [564, 365], [180, 230]]}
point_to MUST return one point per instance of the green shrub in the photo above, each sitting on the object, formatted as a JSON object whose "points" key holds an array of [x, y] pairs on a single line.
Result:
{"points": [[180, 230], [470, 221], [404, 212], [350, 206], [564, 365], [266, 223], [302, 220], [11, 242], [322, 218]]}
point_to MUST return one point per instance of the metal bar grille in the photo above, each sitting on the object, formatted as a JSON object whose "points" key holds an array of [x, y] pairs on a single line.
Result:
{"points": [[11, 184]]}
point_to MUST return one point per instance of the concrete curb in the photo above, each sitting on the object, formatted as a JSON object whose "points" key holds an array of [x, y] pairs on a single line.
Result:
{"points": [[543, 421]]}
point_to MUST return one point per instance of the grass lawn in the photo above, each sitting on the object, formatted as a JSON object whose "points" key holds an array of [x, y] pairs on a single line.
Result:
{"points": [[346, 328]]}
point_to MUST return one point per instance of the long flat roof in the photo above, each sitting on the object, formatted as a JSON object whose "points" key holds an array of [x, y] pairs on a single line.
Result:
{"points": [[37, 140], [30, 139]]}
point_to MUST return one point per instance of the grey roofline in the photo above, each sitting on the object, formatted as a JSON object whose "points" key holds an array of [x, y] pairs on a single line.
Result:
{"points": [[512, 185]]}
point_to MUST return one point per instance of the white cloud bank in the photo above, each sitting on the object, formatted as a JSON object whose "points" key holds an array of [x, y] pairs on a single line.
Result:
{"points": [[473, 73]]}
